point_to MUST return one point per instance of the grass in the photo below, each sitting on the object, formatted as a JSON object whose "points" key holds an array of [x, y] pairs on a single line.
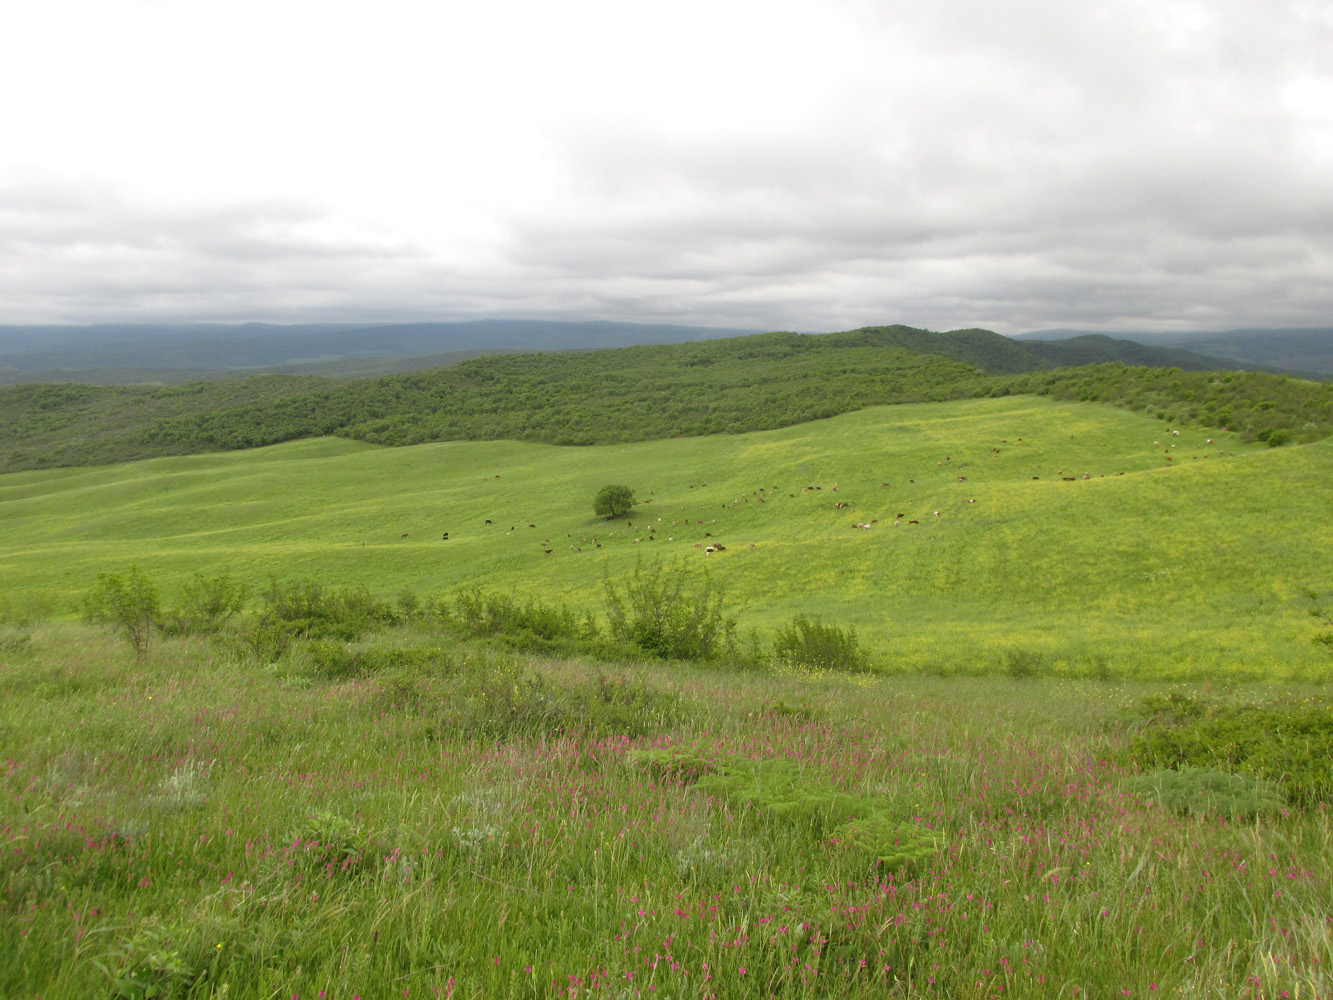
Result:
{"points": [[201, 825], [1190, 564]]}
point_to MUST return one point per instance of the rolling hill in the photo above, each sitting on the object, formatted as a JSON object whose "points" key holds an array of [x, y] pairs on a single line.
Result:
{"points": [[627, 394], [1176, 554]]}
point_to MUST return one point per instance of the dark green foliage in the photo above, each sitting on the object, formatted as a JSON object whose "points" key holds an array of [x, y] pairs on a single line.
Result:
{"points": [[1202, 791], [1023, 664], [613, 501], [814, 645], [669, 612], [1290, 744], [633, 394], [308, 610], [338, 661], [207, 605], [483, 614], [1257, 405], [129, 604]]}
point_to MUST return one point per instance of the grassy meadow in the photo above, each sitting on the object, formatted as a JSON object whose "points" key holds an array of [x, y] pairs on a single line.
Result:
{"points": [[1090, 758], [1177, 558]]}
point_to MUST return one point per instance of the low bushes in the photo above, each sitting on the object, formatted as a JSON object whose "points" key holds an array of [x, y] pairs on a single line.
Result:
{"points": [[666, 611], [1290, 745], [813, 645]]}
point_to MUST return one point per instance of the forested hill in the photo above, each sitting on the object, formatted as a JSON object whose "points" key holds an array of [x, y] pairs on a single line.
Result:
{"points": [[627, 394]]}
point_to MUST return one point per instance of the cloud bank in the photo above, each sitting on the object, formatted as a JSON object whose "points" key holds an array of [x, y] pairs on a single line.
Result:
{"points": [[780, 165]]}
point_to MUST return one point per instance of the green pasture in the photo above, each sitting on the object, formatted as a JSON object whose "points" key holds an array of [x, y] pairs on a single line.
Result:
{"points": [[1175, 558]]}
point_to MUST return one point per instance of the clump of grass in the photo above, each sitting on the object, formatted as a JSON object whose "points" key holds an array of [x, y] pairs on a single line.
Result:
{"points": [[1203, 791], [505, 700]]}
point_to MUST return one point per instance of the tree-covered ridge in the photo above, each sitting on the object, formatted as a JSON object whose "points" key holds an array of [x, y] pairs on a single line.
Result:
{"points": [[1260, 406], [629, 394]]}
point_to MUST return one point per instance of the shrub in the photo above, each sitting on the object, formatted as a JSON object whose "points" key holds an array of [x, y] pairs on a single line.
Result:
{"points": [[338, 661], [129, 604], [812, 645], [502, 614], [1200, 791], [668, 613], [1023, 664], [613, 501], [207, 604], [309, 611], [1290, 745]]}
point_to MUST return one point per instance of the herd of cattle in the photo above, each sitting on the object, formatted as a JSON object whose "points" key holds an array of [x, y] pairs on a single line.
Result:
{"points": [[648, 531]]}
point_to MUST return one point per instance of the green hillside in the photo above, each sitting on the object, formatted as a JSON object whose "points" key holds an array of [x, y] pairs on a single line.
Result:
{"points": [[631, 394], [1178, 556]]}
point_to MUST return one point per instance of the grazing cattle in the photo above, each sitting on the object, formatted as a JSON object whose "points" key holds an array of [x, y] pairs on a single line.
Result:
{"points": [[962, 479], [720, 548], [547, 551], [709, 551], [488, 520], [1087, 475], [913, 522], [937, 513], [404, 534], [1036, 477], [532, 526], [971, 501], [446, 537], [1068, 479]]}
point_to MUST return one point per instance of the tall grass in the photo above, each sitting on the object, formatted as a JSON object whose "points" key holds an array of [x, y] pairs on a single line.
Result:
{"points": [[204, 825]]}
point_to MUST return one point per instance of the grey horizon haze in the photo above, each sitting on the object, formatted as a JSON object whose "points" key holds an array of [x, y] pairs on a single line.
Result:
{"points": [[818, 165]]}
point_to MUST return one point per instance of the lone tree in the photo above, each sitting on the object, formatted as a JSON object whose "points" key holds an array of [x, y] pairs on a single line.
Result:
{"points": [[612, 501]]}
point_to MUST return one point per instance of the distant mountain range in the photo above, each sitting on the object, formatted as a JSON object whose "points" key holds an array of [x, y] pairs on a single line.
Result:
{"points": [[117, 354], [1299, 351], [129, 354]]}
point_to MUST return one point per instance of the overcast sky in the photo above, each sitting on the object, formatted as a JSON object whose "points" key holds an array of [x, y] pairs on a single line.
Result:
{"points": [[775, 164]]}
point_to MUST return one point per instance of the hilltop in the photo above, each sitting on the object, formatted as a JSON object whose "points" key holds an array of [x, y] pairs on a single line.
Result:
{"points": [[727, 385]]}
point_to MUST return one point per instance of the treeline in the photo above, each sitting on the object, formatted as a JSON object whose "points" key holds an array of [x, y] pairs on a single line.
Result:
{"points": [[1276, 409], [629, 394]]}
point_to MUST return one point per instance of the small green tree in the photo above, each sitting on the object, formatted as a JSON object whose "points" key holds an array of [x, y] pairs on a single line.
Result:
{"points": [[613, 501], [129, 604], [667, 612], [207, 604]]}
